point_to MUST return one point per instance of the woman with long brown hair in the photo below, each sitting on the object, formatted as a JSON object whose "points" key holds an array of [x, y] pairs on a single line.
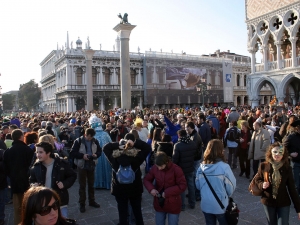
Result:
{"points": [[220, 177], [279, 188], [41, 206]]}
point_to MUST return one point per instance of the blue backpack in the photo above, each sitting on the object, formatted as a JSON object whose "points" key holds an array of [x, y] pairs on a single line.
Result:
{"points": [[125, 174]]}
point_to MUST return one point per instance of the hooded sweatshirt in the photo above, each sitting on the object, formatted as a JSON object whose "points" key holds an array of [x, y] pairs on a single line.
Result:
{"points": [[221, 179]]}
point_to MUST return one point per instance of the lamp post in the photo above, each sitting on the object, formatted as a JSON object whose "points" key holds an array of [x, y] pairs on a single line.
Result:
{"points": [[203, 88]]}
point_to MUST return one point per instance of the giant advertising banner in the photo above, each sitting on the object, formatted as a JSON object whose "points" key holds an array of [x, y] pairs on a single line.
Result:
{"points": [[175, 82], [228, 82]]}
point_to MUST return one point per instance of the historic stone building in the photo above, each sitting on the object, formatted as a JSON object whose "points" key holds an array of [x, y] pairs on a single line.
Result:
{"points": [[273, 35], [64, 79], [241, 67], [158, 79]]}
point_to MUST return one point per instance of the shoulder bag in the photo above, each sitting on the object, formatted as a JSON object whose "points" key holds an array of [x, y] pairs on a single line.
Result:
{"points": [[253, 187], [232, 212]]}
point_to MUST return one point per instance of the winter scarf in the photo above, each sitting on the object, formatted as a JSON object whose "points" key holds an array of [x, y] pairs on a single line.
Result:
{"points": [[276, 177], [184, 139]]}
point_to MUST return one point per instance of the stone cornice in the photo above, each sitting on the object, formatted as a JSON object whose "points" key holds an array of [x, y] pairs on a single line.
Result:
{"points": [[269, 15], [49, 56], [277, 72]]}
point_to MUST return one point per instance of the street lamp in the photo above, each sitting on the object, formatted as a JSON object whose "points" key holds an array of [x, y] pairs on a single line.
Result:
{"points": [[203, 88]]}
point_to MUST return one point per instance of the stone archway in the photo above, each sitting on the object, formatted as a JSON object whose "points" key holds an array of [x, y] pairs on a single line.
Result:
{"points": [[96, 103], [108, 104], [80, 104], [289, 89]]}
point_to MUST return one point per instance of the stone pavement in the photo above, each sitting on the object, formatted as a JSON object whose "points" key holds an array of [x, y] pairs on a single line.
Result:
{"points": [[251, 209]]}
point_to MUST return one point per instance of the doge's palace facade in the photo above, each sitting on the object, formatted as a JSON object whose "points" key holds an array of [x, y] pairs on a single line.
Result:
{"points": [[273, 32]]}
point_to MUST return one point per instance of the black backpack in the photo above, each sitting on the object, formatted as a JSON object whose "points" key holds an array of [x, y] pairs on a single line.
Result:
{"points": [[232, 134]]}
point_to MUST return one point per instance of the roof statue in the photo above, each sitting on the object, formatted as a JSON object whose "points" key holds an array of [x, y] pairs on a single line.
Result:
{"points": [[100, 47], [71, 44], [124, 19], [88, 43], [139, 49]]}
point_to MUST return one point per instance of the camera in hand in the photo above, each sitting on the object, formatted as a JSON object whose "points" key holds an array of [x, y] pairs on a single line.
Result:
{"points": [[90, 157], [161, 200]]}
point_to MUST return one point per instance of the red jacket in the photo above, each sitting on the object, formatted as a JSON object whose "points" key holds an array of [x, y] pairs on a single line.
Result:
{"points": [[172, 181]]}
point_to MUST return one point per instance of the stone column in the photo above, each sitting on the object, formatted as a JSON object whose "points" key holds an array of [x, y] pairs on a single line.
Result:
{"points": [[278, 47], [217, 78], [253, 60], [89, 81], [265, 57], [69, 104], [102, 103], [254, 101], [294, 50], [124, 31], [242, 100], [208, 78], [294, 100], [141, 102]]}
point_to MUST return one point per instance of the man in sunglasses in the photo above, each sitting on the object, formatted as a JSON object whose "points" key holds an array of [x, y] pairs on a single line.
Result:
{"points": [[53, 172]]}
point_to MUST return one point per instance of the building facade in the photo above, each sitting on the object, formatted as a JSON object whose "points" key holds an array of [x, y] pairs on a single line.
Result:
{"points": [[158, 80], [273, 35]]}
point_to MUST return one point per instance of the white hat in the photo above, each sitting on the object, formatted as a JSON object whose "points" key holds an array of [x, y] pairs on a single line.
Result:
{"points": [[233, 109]]}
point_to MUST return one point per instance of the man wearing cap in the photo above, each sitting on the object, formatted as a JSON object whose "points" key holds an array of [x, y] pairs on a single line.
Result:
{"points": [[292, 144], [233, 115]]}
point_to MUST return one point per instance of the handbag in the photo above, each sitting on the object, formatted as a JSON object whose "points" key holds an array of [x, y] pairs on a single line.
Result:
{"points": [[232, 211], [253, 187]]}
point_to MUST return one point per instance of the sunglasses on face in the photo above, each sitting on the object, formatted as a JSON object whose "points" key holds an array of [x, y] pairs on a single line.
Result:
{"points": [[47, 209], [277, 151]]}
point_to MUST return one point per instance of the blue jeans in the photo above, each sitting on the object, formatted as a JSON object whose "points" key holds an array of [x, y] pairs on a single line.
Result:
{"points": [[160, 218], [2, 204], [64, 212], [211, 219], [296, 172], [276, 215], [190, 181], [232, 154], [196, 166]]}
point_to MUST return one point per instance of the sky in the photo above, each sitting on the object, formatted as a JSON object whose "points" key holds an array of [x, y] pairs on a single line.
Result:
{"points": [[30, 30]]}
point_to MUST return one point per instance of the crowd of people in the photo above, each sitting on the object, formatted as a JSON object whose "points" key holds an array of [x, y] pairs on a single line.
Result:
{"points": [[175, 154]]}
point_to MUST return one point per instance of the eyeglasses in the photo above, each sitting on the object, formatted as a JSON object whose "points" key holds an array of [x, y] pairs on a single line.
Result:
{"points": [[279, 151], [47, 209]]}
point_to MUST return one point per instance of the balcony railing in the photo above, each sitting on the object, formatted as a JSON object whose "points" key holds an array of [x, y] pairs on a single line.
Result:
{"points": [[287, 63], [259, 67], [97, 87], [272, 65], [239, 87]]}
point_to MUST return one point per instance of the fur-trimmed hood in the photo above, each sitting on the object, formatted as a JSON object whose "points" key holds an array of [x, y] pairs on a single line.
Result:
{"points": [[129, 152]]}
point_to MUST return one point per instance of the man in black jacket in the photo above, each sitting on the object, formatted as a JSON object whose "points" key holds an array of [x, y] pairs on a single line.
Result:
{"points": [[53, 173], [17, 160], [292, 144], [195, 137], [183, 155], [131, 192], [3, 185], [86, 151]]}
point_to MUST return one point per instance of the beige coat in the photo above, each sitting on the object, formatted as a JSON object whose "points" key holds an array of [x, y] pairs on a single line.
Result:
{"points": [[260, 141]]}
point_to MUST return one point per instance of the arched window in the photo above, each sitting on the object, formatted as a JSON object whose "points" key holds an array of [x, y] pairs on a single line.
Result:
{"points": [[238, 80], [106, 76], [94, 76], [79, 73], [245, 80], [132, 76]]}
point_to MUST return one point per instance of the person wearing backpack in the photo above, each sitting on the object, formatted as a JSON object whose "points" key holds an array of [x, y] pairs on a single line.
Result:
{"points": [[126, 185], [232, 136]]}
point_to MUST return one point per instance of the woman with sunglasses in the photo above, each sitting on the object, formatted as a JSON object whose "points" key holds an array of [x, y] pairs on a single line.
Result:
{"points": [[41, 206], [279, 188]]}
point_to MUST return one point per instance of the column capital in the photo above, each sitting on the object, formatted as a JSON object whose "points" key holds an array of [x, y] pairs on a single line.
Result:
{"points": [[88, 54], [278, 42], [124, 30], [293, 39]]}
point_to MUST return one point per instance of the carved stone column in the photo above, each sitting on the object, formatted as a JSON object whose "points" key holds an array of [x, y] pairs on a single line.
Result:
{"points": [[253, 60], [294, 50], [124, 31], [265, 57], [89, 81], [278, 46]]}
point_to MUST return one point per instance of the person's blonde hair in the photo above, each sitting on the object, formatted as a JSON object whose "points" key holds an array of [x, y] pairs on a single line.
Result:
{"points": [[214, 151], [245, 123], [47, 138]]}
